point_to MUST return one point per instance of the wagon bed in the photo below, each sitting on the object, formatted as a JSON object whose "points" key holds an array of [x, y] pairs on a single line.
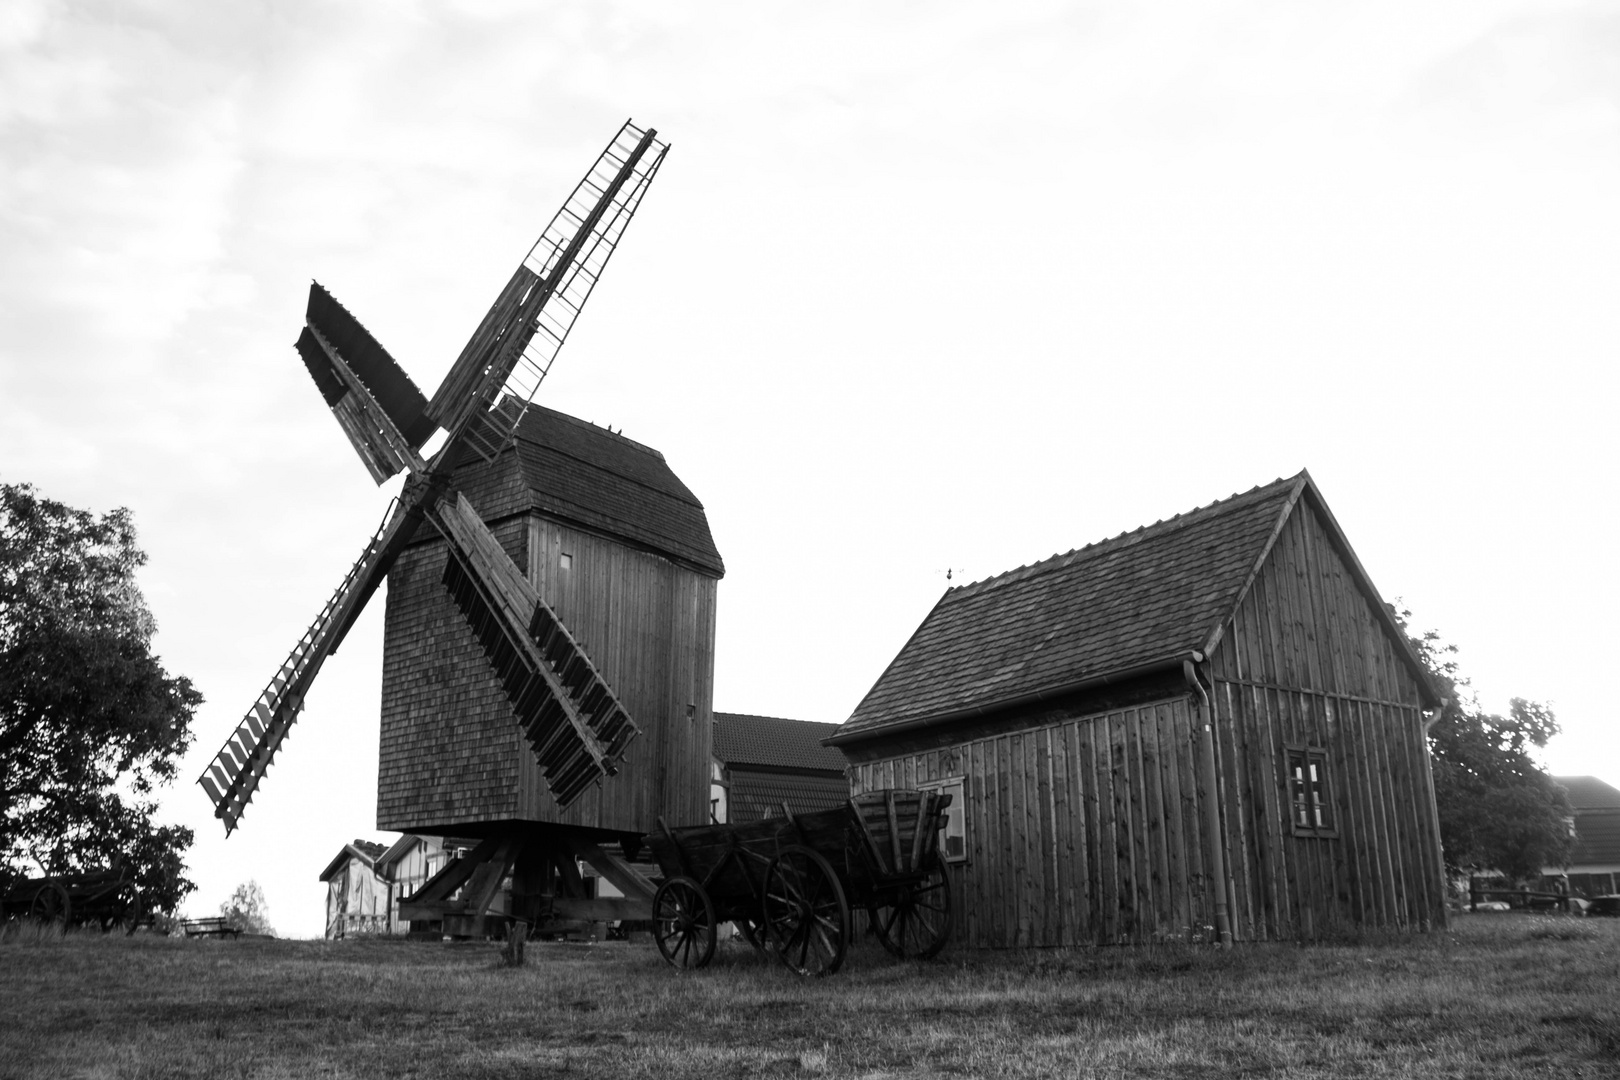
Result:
{"points": [[102, 897], [789, 882]]}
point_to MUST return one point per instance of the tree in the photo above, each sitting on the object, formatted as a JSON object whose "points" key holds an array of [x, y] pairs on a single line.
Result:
{"points": [[247, 911], [1499, 810], [90, 722]]}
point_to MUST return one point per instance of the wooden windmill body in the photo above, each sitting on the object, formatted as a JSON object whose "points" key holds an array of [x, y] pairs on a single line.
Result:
{"points": [[543, 711], [621, 551]]}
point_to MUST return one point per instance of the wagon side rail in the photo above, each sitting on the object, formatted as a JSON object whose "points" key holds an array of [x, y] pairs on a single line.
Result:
{"points": [[900, 830]]}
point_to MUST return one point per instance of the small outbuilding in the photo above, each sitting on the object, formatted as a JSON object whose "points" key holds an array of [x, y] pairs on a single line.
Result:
{"points": [[1210, 727], [356, 899]]}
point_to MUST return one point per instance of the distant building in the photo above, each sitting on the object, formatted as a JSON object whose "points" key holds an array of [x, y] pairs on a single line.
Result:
{"points": [[1594, 862], [761, 762], [365, 881]]}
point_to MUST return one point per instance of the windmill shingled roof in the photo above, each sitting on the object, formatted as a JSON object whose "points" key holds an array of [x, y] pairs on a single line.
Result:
{"points": [[1104, 609], [574, 470], [740, 739]]}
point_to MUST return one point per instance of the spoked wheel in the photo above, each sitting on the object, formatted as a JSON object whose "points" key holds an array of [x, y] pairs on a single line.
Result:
{"points": [[51, 904], [683, 923], [806, 916], [914, 922]]}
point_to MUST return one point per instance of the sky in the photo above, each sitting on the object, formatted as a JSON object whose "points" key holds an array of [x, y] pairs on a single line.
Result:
{"points": [[921, 287]]}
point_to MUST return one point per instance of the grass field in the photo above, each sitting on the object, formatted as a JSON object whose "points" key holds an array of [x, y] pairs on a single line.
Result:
{"points": [[1502, 995]]}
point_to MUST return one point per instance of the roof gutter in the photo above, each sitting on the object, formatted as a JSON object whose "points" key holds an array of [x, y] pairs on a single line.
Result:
{"points": [[1154, 667]]}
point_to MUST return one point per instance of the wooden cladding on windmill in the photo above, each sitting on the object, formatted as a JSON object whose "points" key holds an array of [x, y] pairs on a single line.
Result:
{"points": [[575, 724]]}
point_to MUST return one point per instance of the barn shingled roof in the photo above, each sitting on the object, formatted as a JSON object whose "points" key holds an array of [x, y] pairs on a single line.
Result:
{"points": [[1141, 599], [587, 475]]}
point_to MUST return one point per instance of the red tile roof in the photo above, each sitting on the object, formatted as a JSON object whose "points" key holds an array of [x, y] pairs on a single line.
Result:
{"points": [[1590, 793], [742, 740]]}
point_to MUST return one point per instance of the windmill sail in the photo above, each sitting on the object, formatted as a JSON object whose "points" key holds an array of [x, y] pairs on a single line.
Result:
{"points": [[571, 718], [576, 725], [375, 402], [232, 777], [513, 348]]}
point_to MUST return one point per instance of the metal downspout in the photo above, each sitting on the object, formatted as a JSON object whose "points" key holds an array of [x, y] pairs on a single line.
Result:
{"points": [[1434, 809], [1212, 818]]}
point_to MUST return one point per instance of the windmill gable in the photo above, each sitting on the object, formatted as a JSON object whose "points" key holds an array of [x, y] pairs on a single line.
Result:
{"points": [[1055, 701], [574, 472]]}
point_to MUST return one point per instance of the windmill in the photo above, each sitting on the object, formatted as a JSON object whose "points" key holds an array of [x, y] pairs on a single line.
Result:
{"points": [[573, 722]]}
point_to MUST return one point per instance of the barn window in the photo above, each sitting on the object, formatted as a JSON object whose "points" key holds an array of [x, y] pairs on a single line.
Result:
{"points": [[953, 836], [1310, 795], [567, 561]]}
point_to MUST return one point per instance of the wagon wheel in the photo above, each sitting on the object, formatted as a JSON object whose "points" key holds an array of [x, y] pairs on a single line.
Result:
{"points": [[51, 904], [683, 923], [806, 916], [914, 921]]}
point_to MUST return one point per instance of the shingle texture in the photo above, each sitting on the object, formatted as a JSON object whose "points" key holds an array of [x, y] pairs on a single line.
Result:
{"points": [[742, 740], [1101, 610], [584, 474]]}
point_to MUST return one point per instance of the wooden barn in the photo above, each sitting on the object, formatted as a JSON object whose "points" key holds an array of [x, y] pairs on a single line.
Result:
{"points": [[1211, 727], [762, 762]]}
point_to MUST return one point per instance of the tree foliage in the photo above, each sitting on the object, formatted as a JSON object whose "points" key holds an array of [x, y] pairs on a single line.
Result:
{"points": [[1499, 809], [247, 911], [90, 722]]}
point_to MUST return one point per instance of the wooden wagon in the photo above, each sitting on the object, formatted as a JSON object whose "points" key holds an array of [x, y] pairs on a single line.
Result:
{"points": [[789, 882], [104, 898]]}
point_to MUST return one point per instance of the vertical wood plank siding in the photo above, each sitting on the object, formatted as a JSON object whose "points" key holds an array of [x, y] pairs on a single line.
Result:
{"points": [[1091, 829], [1042, 869], [450, 751]]}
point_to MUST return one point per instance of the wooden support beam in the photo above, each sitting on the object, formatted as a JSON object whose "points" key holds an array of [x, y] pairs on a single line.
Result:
{"points": [[626, 878], [601, 910]]}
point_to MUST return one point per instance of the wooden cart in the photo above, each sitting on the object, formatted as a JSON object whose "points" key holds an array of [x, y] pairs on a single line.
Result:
{"points": [[104, 898], [788, 882]]}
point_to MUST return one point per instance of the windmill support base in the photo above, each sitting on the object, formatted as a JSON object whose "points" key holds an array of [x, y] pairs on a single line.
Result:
{"points": [[547, 895]]}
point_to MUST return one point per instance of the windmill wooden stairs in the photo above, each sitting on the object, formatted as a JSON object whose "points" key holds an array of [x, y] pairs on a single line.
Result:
{"points": [[566, 709]]}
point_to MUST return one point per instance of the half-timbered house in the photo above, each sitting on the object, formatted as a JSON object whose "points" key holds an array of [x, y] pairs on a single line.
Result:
{"points": [[1211, 727]]}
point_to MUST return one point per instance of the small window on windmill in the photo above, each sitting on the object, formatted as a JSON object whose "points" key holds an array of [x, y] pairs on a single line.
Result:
{"points": [[567, 561], [953, 833]]}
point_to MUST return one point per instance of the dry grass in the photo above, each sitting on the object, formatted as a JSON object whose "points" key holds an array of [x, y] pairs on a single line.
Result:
{"points": [[1500, 995]]}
